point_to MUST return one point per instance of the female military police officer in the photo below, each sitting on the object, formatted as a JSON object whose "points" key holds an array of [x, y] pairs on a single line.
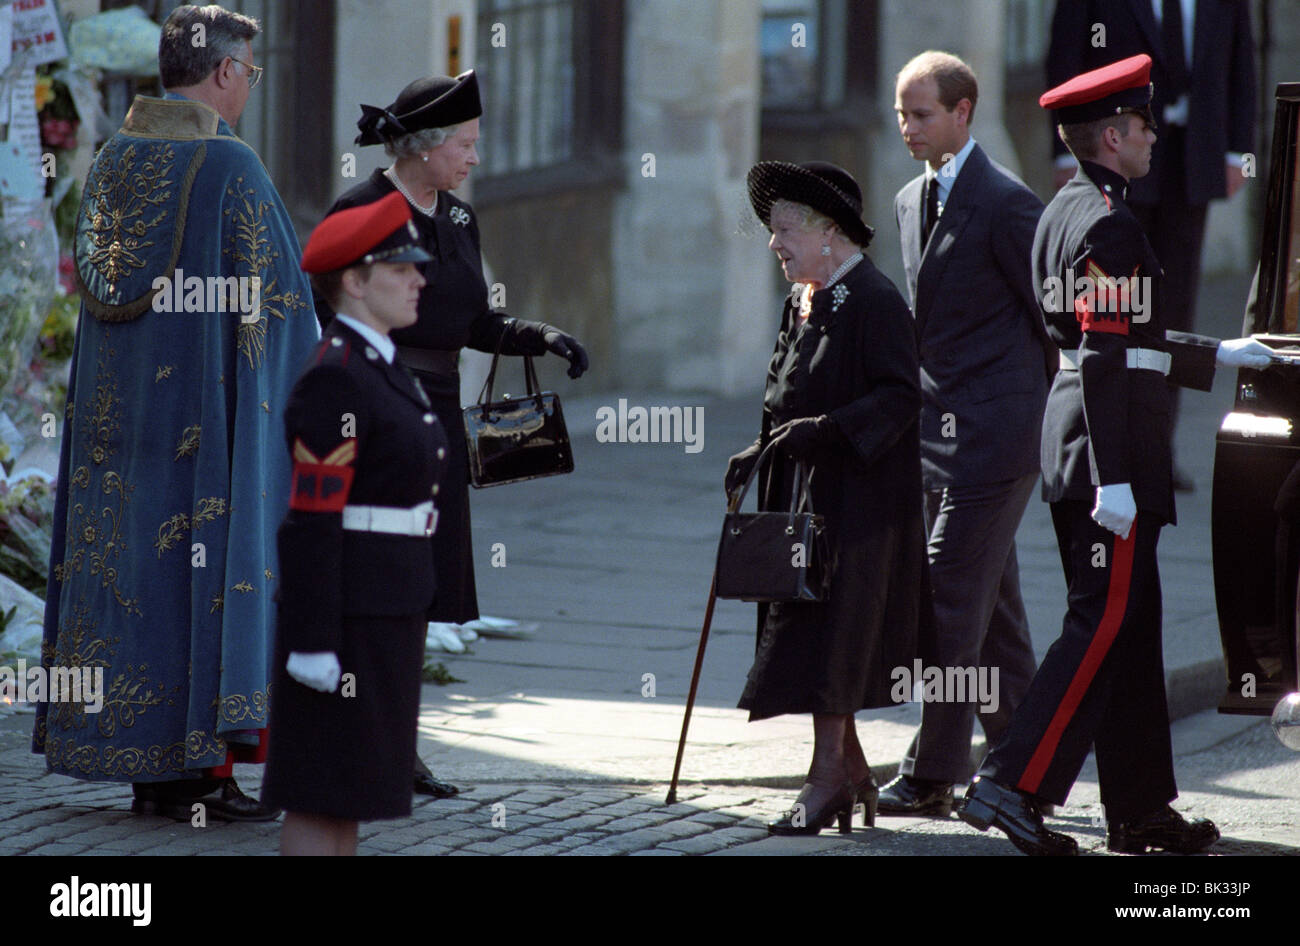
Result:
{"points": [[356, 579]]}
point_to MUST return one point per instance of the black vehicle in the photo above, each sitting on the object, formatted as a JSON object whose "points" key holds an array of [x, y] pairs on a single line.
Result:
{"points": [[1255, 513]]}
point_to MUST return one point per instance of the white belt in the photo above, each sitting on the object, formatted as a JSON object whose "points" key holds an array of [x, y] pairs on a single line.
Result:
{"points": [[418, 520], [1147, 358]]}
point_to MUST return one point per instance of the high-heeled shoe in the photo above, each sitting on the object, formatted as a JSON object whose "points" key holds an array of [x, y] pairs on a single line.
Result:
{"points": [[802, 820], [867, 794]]}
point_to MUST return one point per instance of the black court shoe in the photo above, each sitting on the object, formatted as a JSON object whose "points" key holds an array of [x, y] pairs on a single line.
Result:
{"points": [[1165, 830], [867, 794], [802, 820], [988, 804], [907, 795]]}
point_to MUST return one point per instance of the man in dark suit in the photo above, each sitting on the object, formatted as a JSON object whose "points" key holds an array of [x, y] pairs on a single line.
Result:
{"points": [[1203, 68], [1106, 471], [967, 226]]}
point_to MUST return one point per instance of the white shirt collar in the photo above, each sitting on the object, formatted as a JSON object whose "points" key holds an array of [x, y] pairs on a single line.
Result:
{"points": [[382, 343], [946, 179]]}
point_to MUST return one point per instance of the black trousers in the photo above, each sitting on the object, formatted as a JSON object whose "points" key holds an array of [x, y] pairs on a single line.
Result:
{"points": [[1176, 231], [1102, 682], [979, 618]]}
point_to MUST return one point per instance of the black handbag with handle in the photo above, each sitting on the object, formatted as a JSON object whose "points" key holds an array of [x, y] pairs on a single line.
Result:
{"points": [[516, 438], [773, 556]]}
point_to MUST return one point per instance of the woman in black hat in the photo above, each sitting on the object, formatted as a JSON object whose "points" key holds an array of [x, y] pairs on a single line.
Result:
{"points": [[431, 131], [843, 396]]}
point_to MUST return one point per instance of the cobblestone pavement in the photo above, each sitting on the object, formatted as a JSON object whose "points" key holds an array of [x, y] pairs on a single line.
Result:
{"points": [[1245, 782]]}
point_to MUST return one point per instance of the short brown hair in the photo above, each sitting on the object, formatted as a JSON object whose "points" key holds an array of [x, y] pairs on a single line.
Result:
{"points": [[1084, 138], [955, 79], [330, 285]]}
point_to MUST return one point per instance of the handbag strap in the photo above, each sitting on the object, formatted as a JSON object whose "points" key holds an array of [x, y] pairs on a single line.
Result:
{"points": [[801, 493], [530, 372]]}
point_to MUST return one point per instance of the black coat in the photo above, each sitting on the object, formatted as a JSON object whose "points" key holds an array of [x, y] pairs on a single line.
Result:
{"points": [[453, 314], [1107, 423], [854, 359], [360, 432]]}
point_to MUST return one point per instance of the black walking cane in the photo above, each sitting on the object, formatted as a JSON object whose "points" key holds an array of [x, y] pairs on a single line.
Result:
{"points": [[695, 682], [732, 503]]}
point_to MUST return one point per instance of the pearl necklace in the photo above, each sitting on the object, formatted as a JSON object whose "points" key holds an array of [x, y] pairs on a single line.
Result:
{"points": [[391, 174], [844, 268]]}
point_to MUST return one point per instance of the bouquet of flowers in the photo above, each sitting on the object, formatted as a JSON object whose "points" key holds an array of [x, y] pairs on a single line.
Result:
{"points": [[26, 522]]}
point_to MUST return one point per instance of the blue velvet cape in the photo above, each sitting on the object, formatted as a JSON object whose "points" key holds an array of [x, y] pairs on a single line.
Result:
{"points": [[172, 475]]}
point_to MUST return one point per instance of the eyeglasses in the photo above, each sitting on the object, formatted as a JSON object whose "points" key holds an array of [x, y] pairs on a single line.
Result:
{"points": [[254, 72]]}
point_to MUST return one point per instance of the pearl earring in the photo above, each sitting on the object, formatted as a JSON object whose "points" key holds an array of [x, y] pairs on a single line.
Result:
{"points": [[424, 158], [826, 250]]}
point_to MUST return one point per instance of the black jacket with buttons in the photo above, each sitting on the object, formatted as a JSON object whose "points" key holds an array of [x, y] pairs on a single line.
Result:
{"points": [[1107, 423], [360, 432]]}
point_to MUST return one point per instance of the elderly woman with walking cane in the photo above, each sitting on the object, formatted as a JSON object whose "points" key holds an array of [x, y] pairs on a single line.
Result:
{"points": [[842, 399]]}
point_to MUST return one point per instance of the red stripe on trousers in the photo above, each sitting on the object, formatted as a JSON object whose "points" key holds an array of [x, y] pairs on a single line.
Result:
{"points": [[1116, 602]]}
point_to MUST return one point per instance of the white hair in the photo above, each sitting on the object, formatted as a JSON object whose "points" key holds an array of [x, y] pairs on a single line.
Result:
{"points": [[810, 219], [416, 142]]}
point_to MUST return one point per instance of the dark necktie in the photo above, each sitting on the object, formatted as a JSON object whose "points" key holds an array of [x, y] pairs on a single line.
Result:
{"points": [[1171, 26], [931, 210]]}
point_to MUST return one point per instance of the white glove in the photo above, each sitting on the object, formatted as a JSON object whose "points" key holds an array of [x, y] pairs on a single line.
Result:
{"points": [[320, 671], [1243, 353], [1115, 509]]}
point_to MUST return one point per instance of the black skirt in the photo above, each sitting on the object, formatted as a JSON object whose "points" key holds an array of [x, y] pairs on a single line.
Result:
{"points": [[453, 551], [350, 754]]}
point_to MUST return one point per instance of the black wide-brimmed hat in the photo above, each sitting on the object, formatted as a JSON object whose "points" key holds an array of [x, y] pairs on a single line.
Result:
{"points": [[824, 187], [433, 102]]}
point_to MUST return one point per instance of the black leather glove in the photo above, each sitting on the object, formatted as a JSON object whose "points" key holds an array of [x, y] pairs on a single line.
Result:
{"points": [[566, 346], [802, 437], [740, 466]]}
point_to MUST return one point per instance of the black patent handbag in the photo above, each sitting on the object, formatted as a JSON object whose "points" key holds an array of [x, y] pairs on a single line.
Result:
{"points": [[516, 438], [773, 556]]}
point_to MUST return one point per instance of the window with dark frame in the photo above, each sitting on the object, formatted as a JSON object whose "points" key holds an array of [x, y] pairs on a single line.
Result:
{"points": [[818, 62], [550, 76]]}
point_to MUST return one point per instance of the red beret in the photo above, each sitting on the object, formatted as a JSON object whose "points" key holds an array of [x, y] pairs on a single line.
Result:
{"points": [[371, 233], [1106, 91]]}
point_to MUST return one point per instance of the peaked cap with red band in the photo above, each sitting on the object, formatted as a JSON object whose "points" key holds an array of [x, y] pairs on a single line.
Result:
{"points": [[381, 232], [1120, 87]]}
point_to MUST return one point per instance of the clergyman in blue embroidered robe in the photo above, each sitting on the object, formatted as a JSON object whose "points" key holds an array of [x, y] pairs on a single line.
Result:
{"points": [[172, 477]]}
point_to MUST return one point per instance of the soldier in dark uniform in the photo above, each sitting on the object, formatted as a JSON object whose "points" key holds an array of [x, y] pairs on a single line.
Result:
{"points": [[431, 130], [1107, 471], [356, 577]]}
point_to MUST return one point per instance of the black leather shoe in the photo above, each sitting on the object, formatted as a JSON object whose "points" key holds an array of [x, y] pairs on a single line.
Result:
{"points": [[426, 784], [988, 804], [802, 820], [907, 795], [867, 794], [175, 800], [1165, 830]]}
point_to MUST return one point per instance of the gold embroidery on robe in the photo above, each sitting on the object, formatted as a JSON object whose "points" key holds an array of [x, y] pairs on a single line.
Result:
{"points": [[252, 251], [189, 444]]}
